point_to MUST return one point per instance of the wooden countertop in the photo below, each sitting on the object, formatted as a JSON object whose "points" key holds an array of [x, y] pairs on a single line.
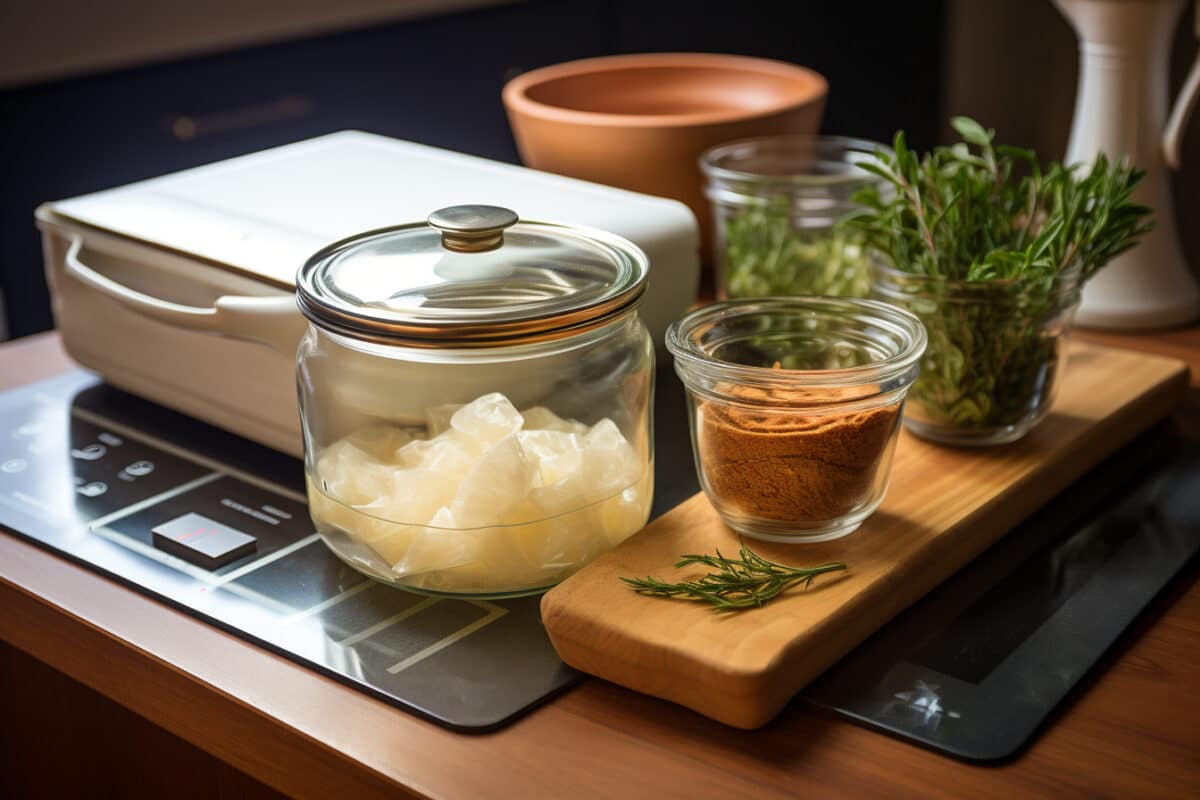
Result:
{"points": [[1130, 732]]}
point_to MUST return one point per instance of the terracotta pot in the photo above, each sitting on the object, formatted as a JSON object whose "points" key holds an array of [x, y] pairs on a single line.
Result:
{"points": [[641, 122]]}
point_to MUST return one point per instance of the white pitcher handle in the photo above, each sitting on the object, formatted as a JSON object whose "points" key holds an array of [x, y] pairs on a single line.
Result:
{"points": [[1177, 122], [273, 320]]}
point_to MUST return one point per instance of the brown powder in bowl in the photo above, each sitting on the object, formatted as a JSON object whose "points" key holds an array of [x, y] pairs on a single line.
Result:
{"points": [[787, 463]]}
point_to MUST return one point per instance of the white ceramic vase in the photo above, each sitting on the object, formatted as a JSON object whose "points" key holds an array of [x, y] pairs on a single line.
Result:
{"points": [[1121, 108]]}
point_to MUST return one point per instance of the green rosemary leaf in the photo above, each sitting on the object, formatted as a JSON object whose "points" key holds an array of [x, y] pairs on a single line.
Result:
{"points": [[971, 131], [748, 581]]}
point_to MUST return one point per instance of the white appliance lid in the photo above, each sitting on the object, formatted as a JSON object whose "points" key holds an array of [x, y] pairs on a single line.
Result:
{"points": [[266, 213]]}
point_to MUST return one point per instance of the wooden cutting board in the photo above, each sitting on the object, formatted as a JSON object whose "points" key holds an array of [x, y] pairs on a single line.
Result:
{"points": [[944, 507]]}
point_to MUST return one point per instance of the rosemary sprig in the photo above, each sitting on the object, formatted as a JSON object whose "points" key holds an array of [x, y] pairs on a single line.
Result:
{"points": [[737, 583], [979, 211], [1023, 234]]}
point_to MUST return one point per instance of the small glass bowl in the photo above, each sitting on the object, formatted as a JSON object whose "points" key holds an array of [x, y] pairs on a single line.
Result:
{"points": [[795, 405]]}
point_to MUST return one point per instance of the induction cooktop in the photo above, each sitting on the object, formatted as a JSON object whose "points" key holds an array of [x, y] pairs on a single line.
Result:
{"points": [[218, 527]]}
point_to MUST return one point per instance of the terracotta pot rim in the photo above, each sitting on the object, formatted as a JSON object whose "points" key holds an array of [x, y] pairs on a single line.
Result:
{"points": [[812, 87]]}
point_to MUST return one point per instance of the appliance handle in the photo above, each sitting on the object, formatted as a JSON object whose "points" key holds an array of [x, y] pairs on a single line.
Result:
{"points": [[273, 321], [1176, 124]]}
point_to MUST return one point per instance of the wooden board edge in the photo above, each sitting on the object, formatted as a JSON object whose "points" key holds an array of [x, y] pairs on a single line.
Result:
{"points": [[744, 700]]}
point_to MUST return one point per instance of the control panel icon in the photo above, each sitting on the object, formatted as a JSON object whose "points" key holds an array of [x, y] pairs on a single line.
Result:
{"points": [[140, 468], [29, 430], [93, 489], [90, 452]]}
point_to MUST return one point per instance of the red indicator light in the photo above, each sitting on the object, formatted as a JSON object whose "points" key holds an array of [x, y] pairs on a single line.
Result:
{"points": [[201, 531]]}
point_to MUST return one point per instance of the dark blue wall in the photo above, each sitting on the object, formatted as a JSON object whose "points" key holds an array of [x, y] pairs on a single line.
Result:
{"points": [[436, 81]]}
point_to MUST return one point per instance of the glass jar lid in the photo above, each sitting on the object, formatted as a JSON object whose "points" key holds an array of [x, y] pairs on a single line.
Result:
{"points": [[471, 276]]}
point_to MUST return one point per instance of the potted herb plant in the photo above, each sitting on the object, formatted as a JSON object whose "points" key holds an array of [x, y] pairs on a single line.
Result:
{"points": [[991, 250]]}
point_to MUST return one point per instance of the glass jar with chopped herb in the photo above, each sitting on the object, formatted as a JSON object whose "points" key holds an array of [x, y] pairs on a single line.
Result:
{"points": [[776, 201], [990, 249]]}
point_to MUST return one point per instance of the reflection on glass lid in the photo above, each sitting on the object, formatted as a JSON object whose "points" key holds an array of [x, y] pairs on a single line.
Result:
{"points": [[472, 272]]}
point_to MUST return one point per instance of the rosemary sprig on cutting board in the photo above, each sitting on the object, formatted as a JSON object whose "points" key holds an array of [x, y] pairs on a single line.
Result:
{"points": [[736, 583]]}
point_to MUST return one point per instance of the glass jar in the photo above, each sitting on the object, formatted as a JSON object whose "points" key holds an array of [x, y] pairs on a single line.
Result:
{"points": [[776, 201], [795, 406], [476, 399], [997, 350]]}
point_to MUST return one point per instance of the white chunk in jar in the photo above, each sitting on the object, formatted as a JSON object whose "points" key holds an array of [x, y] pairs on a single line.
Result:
{"points": [[496, 500]]}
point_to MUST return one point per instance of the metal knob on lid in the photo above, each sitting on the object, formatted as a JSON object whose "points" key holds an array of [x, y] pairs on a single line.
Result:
{"points": [[474, 228]]}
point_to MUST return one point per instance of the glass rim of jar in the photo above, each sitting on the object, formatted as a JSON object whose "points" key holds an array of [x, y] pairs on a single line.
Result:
{"points": [[516, 350], [836, 147], [898, 368], [883, 266], [506, 339]]}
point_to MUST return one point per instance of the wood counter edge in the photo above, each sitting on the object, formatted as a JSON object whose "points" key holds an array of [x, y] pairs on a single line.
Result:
{"points": [[181, 702]]}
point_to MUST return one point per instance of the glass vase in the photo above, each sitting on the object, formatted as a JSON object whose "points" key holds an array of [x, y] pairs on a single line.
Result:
{"points": [[996, 354]]}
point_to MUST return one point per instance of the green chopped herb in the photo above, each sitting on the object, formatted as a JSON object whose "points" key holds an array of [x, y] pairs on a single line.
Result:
{"points": [[767, 255]]}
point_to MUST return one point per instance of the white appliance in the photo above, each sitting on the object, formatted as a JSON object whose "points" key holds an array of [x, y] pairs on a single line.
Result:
{"points": [[142, 276], [1121, 110]]}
